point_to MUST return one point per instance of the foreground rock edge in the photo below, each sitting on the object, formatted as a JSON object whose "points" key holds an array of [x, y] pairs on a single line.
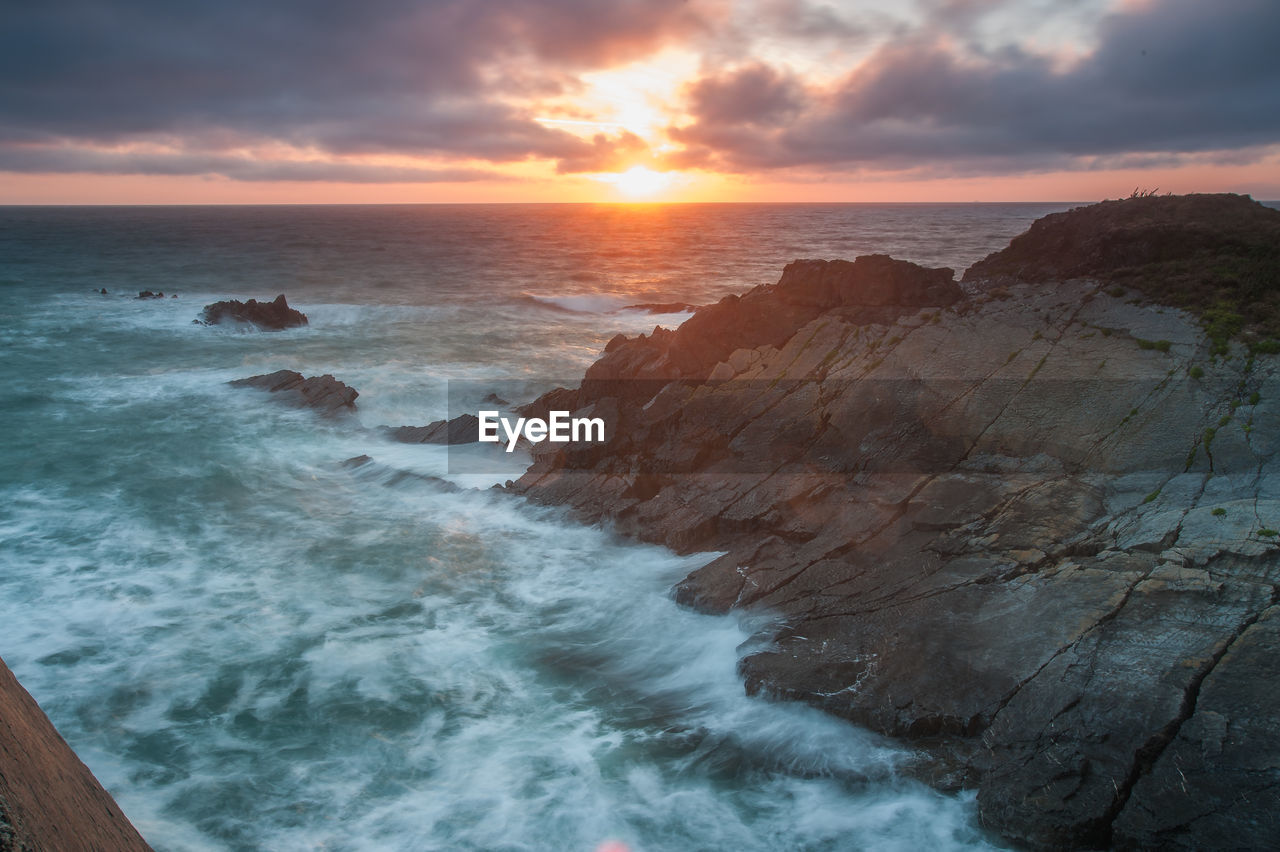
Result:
{"points": [[49, 800]]}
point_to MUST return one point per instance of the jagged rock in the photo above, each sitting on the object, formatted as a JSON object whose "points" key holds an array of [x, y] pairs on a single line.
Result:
{"points": [[323, 393], [147, 294], [48, 798], [463, 429], [770, 315], [271, 316], [999, 524]]}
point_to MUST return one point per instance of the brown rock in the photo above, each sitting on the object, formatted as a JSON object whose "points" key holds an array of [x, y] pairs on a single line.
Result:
{"points": [[49, 800]]}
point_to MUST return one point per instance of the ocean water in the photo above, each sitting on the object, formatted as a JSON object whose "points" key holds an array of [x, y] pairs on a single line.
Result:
{"points": [[255, 646]]}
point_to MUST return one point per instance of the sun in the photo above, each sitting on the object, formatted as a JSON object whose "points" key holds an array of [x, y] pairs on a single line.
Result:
{"points": [[640, 182]]}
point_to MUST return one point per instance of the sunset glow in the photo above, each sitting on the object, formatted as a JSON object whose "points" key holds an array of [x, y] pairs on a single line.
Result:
{"points": [[663, 100], [639, 182]]}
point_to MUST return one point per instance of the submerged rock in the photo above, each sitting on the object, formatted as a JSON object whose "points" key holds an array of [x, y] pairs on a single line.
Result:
{"points": [[1032, 528], [661, 307], [271, 316], [323, 393]]}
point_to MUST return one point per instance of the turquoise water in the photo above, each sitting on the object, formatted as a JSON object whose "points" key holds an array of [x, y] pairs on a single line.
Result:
{"points": [[256, 647]]}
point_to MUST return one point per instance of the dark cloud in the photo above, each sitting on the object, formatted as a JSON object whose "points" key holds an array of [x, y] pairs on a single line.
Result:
{"points": [[63, 160], [404, 76], [85, 85], [1177, 76], [755, 94]]}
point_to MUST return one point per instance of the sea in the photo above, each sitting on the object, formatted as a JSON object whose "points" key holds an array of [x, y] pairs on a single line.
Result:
{"points": [[256, 646]]}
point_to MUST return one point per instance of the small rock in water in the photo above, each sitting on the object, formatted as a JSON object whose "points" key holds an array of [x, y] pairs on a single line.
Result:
{"points": [[324, 393], [662, 307], [271, 316], [463, 429]]}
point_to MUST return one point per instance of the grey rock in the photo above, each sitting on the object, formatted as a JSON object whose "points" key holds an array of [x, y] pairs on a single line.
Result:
{"points": [[323, 393], [275, 315], [463, 429]]}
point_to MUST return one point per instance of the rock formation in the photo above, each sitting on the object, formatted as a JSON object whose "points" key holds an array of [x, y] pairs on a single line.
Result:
{"points": [[270, 316], [49, 800], [323, 393], [1034, 528], [463, 429], [661, 307]]}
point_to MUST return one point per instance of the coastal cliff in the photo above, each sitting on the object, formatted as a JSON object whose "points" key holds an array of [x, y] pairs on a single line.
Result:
{"points": [[1030, 523], [49, 800]]}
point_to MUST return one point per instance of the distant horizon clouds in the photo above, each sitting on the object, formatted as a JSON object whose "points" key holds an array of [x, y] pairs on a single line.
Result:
{"points": [[549, 99]]}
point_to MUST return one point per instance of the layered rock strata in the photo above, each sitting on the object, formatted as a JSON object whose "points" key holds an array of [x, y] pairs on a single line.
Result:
{"points": [[323, 393], [1033, 527]]}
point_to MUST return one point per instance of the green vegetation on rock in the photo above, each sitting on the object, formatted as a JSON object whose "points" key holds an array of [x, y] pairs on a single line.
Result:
{"points": [[1217, 256]]}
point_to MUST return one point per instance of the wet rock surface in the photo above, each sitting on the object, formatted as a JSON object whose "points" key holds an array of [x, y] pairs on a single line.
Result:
{"points": [[463, 429], [999, 524], [275, 315], [323, 393]]}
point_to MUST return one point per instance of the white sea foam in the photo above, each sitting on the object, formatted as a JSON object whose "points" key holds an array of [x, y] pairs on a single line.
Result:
{"points": [[256, 646], [465, 672]]}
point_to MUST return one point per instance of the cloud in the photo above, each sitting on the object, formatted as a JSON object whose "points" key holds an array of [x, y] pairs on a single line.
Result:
{"points": [[941, 86], [433, 78], [1177, 76], [605, 154], [754, 94], [72, 160]]}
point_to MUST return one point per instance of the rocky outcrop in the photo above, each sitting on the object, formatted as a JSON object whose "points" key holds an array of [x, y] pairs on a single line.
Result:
{"points": [[1034, 529], [323, 393], [49, 800], [269, 316], [1215, 255], [463, 429]]}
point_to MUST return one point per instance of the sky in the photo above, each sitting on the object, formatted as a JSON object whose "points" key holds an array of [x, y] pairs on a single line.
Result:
{"points": [[390, 101]]}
